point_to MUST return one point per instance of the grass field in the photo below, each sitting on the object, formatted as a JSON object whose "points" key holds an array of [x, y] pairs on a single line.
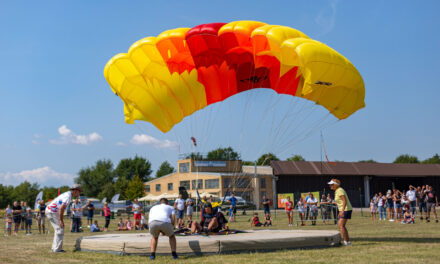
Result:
{"points": [[373, 242]]}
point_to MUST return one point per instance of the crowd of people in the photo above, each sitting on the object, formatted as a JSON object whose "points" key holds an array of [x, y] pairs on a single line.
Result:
{"points": [[406, 205]]}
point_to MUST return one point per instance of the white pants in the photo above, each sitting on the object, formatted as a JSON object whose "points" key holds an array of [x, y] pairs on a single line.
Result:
{"points": [[54, 219]]}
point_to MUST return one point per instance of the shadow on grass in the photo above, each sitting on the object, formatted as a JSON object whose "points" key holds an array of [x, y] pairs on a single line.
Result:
{"points": [[397, 239]]}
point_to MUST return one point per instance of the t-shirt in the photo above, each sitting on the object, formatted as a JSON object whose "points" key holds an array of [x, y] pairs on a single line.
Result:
{"points": [[136, 208], [90, 209], [42, 209], [411, 195], [77, 214], [312, 202], [380, 201], [233, 201], [180, 204], [430, 196], [338, 193], [94, 228], [266, 205], [161, 212], [143, 221], [64, 198], [289, 206], [189, 202], [16, 214]]}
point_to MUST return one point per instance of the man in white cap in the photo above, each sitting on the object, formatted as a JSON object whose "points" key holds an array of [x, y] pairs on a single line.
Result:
{"points": [[344, 207], [55, 213]]}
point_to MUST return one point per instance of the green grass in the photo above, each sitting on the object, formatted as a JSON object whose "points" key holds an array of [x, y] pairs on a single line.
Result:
{"points": [[373, 242]]}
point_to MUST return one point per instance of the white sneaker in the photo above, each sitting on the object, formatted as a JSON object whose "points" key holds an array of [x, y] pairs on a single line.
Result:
{"points": [[88, 226], [347, 243], [391, 220]]}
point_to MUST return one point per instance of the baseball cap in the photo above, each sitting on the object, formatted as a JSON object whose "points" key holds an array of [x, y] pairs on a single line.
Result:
{"points": [[76, 187]]}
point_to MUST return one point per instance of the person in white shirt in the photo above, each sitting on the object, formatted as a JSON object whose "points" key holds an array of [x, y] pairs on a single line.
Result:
{"points": [[55, 213], [312, 203], [161, 220], [179, 205], [411, 195]]}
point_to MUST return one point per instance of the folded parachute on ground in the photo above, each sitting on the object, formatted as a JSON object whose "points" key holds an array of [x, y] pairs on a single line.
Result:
{"points": [[166, 78]]}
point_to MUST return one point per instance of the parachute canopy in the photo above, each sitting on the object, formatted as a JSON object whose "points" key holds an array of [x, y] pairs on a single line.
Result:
{"points": [[166, 78]]}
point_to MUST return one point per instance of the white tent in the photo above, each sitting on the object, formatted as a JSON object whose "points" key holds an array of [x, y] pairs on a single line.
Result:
{"points": [[168, 196], [149, 197]]}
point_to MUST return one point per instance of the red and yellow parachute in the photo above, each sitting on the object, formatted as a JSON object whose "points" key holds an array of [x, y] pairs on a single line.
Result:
{"points": [[163, 79]]}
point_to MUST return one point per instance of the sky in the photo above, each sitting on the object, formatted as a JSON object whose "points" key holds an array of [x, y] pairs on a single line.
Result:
{"points": [[58, 114]]}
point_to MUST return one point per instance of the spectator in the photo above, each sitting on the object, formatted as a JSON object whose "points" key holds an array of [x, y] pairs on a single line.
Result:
{"points": [[128, 224], [397, 205], [233, 209], [390, 205], [8, 210], [16, 216], [107, 215], [76, 216], [312, 203], [28, 224], [325, 209], [421, 201], [121, 225], [143, 221], [266, 205], [334, 208], [431, 203], [55, 214], [307, 205], [344, 207], [256, 221], [8, 224], [95, 227], [381, 207], [23, 214], [161, 220], [179, 205], [268, 220], [412, 197], [302, 211], [289, 210], [373, 210], [136, 213], [408, 217], [41, 216], [90, 212], [189, 208]]}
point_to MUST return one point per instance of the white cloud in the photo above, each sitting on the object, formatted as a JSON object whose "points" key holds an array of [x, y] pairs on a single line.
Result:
{"points": [[326, 18], [44, 176], [121, 144], [36, 142], [69, 137], [144, 139]]}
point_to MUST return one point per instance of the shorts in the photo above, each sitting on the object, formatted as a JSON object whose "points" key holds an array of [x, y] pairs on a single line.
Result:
{"points": [[189, 210], [347, 215], [429, 206], [90, 217], [17, 219], [266, 211], [422, 206], [289, 211], [137, 216], [180, 214], [390, 205], [398, 206], [41, 220], [29, 221], [234, 209], [313, 212], [157, 226]]}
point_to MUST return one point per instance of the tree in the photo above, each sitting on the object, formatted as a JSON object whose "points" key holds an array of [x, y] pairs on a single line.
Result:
{"points": [[93, 179], [223, 154], [127, 168], [194, 156], [433, 160], [52, 192], [367, 161], [135, 188], [265, 159], [248, 163], [5, 195], [107, 191], [26, 192], [296, 158], [164, 169], [406, 158]]}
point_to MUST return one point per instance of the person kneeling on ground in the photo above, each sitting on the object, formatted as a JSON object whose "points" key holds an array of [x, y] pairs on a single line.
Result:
{"points": [[212, 221], [121, 225], [95, 227], [161, 220], [256, 221], [268, 220]]}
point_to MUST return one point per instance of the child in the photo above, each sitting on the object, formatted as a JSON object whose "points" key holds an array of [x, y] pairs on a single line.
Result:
{"points": [[121, 225], [373, 210], [408, 217], [302, 211], [8, 224], [28, 221], [256, 221], [268, 220], [289, 210], [143, 221], [128, 224], [95, 227]]}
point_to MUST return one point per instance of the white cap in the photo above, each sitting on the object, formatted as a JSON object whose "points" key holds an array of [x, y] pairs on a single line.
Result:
{"points": [[333, 182]]}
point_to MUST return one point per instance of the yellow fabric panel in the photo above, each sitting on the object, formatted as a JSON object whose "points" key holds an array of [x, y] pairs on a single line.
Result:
{"points": [[329, 78], [243, 27]]}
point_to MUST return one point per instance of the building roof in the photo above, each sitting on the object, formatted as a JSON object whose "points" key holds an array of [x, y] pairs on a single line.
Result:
{"points": [[261, 170], [354, 168]]}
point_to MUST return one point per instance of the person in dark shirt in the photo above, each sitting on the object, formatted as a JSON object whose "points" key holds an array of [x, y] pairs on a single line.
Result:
{"points": [[90, 211], [431, 203], [266, 204], [16, 216], [41, 216]]}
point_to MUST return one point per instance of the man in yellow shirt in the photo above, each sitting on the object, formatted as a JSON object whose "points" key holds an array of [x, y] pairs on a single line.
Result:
{"points": [[344, 207]]}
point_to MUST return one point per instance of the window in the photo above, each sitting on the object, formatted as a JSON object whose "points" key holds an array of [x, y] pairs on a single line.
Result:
{"points": [[211, 184], [199, 184], [184, 167], [170, 186], [263, 183], [147, 188], [157, 187], [185, 184], [227, 182], [242, 183]]}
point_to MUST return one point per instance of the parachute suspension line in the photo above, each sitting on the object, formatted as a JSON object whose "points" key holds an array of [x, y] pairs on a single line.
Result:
{"points": [[325, 151]]}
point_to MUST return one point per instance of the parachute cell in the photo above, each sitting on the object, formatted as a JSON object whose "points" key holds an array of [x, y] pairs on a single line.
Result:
{"points": [[162, 80]]}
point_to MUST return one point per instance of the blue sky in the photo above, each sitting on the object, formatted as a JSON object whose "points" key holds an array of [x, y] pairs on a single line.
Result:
{"points": [[59, 115]]}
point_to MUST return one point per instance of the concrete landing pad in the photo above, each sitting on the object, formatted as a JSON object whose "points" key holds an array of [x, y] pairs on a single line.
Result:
{"points": [[251, 240]]}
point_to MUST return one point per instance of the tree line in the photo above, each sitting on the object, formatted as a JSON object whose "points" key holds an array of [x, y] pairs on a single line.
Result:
{"points": [[103, 179]]}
